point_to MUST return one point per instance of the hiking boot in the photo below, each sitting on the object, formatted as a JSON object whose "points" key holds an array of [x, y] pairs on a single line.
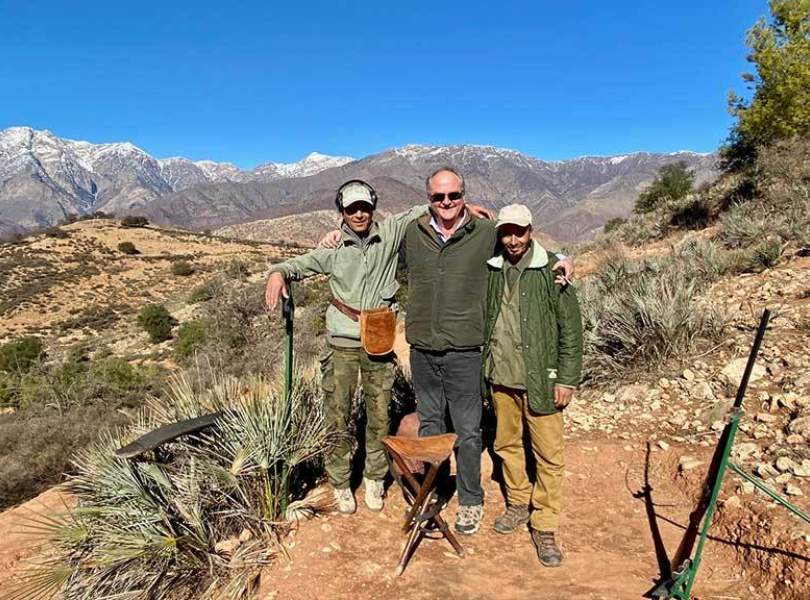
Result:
{"points": [[468, 518], [344, 499], [374, 494], [547, 549], [514, 516]]}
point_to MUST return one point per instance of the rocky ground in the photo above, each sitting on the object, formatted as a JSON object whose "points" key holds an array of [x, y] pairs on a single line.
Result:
{"points": [[757, 549]]}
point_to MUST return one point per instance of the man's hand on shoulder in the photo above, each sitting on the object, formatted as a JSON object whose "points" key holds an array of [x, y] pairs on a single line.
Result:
{"points": [[276, 289], [562, 396], [331, 240], [566, 265], [479, 211]]}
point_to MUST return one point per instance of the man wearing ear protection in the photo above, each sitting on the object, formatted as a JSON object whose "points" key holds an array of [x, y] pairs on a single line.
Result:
{"points": [[362, 278]]}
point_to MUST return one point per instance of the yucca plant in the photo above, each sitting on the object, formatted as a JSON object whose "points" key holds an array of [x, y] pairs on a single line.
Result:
{"points": [[202, 522]]}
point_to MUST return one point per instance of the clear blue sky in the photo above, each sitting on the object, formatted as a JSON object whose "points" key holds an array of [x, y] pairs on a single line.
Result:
{"points": [[254, 81]]}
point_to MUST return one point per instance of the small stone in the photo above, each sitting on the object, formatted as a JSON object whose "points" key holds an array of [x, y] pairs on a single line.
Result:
{"points": [[732, 373], [802, 470], [766, 418], [609, 398], [688, 374], [245, 535], [783, 478], [784, 464], [793, 490], [746, 450], [800, 426], [766, 470], [731, 503], [746, 487], [663, 383], [663, 445], [326, 549], [701, 390], [795, 439], [326, 527], [687, 463]]}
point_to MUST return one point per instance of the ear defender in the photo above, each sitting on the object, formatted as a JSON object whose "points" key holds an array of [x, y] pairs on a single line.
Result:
{"points": [[339, 196]]}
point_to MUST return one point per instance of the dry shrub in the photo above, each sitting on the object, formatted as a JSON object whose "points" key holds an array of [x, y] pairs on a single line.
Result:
{"points": [[639, 314], [202, 522]]}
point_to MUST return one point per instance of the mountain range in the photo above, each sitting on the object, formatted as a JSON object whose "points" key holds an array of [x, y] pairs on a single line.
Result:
{"points": [[45, 178]]}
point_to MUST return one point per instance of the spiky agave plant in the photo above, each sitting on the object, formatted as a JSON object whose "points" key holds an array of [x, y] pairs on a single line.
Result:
{"points": [[199, 524]]}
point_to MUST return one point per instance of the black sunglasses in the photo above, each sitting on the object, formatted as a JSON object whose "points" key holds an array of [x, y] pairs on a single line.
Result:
{"points": [[438, 197]]}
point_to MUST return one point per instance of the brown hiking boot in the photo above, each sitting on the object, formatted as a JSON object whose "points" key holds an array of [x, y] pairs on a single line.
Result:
{"points": [[514, 516], [547, 550]]}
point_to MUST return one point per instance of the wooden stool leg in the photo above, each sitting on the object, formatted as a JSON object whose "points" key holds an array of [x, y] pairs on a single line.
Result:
{"points": [[441, 524], [414, 537], [424, 490]]}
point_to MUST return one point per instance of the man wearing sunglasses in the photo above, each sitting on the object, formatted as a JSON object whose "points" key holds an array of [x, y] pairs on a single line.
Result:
{"points": [[447, 251], [361, 266]]}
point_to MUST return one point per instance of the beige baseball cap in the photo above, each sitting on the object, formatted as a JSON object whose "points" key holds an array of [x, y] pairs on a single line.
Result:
{"points": [[515, 214], [355, 192]]}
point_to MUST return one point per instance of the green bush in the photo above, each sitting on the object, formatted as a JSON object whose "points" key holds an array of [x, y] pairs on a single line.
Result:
{"points": [[203, 292], [56, 232], [237, 269], [182, 268], [691, 212], [674, 182], [18, 356], [613, 224], [157, 322], [128, 248], [134, 221], [191, 337]]}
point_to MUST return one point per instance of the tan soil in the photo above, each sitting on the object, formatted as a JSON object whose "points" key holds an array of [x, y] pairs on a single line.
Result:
{"points": [[605, 535]]}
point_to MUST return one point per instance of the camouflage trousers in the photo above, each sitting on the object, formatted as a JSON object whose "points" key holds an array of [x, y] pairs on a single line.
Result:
{"points": [[340, 368]]}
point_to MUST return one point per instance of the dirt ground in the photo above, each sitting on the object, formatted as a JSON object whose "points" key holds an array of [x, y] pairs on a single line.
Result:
{"points": [[605, 534]]}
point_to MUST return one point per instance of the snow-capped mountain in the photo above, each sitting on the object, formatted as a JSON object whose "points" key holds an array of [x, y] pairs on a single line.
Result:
{"points": [[44, 178]]}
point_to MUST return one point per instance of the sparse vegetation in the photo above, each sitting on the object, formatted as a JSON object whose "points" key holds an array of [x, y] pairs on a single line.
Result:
{"points": [[641, 314], [182, 268], [157, 322], [20, 355], [128, 248], [673, 183], [613, 224], [56, 233], [134, 221]]}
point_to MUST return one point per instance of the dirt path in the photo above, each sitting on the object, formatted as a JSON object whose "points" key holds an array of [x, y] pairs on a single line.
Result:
{"points": [[605, 535]]}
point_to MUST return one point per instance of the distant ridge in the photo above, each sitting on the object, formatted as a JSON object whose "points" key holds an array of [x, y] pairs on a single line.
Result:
{"points": [[44, 179]]}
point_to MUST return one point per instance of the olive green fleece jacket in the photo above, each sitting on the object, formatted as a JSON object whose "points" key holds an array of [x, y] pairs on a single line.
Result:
{"points": [[447, 284], [362, 272], [550, 328]]}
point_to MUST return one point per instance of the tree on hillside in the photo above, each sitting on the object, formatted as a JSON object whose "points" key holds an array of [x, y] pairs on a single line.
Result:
{"points": [[673, 182], [780, 104]]}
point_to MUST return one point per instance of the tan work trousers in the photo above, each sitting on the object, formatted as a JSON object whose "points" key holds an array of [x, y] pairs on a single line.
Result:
{"points": [[546, 434]]}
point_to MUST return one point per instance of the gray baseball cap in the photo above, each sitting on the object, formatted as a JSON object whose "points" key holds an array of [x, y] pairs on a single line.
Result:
{"points": [[355, 192], [515, 214]]}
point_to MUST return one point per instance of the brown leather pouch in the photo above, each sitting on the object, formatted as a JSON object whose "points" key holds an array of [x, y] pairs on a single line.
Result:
{"points": [[377, 330]]}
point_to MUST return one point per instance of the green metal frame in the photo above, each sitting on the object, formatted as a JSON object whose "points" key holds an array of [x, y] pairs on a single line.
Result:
{"points": [[680, 585]]}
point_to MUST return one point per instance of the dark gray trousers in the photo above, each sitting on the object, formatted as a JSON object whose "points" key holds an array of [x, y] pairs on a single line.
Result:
{"points": [[451, 381]]}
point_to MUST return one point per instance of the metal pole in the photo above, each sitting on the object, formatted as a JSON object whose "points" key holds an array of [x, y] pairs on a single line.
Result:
{"points": [[288, 310]]}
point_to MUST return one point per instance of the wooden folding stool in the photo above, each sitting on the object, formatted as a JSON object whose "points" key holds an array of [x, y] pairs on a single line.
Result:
{"points": [[423, 516]]}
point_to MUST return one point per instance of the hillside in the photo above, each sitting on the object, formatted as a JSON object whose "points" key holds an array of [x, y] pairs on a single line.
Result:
{"points": [[67, 288]]}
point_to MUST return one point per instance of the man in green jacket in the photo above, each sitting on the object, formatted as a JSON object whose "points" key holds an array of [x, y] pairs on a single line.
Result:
{"points": [[362, 275], [532, 364], [447, 253]]}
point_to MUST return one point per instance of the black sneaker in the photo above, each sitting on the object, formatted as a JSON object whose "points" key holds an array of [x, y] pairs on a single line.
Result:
{"points": [[468, 519], [547, 550], [514, 516]]}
